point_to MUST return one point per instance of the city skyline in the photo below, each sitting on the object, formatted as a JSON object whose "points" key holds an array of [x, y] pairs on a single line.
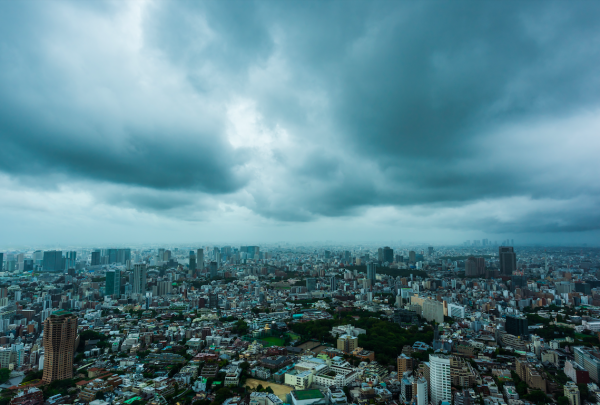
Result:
{"points": [[173, 122]]}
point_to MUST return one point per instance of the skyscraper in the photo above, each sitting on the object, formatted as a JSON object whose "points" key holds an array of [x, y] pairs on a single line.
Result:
{"points": [[439, 376], [388, 254], [412, 257], [192, 265], [332, 284], [139, 278], [1, 261], [508, 260], [372, 272], [213, 269], [311, 284], [53, 261], [516, 325], [430, 251], [380, 255], [113, 283], [200, 259], [95, 259], [60, 333]]}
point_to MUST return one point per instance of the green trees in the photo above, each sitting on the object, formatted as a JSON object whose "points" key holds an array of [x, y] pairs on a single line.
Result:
{"points": [[4, 375]]}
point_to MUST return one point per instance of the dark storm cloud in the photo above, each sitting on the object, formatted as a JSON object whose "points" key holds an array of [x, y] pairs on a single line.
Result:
{"points": [[386, 104], [69, 117]]}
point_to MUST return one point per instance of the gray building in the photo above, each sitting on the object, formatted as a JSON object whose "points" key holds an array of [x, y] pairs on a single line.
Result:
{"points": [[53, 261]]}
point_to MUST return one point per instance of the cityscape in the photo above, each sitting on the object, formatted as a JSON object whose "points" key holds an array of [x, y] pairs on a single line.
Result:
{"points": [[300, 202], [284, 324]]}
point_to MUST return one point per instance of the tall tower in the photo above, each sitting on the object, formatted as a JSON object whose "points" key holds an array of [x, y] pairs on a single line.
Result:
{"points": [[113, 283], [439, 376], [508, 260], [200, 259], [372, 272], [139, 278], [60, 334], [192, 265]]}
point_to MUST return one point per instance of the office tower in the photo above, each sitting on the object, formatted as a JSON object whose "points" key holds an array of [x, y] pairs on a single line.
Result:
{"points": [[516, 325], [332, 284], [53, 261], [412, 257], [253, 252], [508, 260], [347, 256], [70, 259], [1, 261], [218, 259], [405, 363], [95, 260], [113, 283], [439, 378], [139, 278], [192, 265], [327, 254], [311, 284], [161, 254], [60, 332], [474, 266], [388, 254], [430, 251], [213, 269], [123, 255], [213, 301], [167, 256], [372, 272], [200, 259]]}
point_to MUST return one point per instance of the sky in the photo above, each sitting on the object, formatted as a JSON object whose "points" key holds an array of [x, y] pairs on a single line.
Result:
{"points": [[353, 121]]}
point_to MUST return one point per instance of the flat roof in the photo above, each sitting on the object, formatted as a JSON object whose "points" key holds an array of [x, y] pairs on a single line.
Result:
{"points": [[307, 394]]}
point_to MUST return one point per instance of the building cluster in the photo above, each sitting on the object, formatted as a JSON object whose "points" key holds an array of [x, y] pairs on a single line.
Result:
{"points": [[153, 324]]}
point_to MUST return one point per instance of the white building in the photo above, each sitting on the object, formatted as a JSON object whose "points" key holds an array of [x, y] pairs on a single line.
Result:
{"points": [[439, 375], [456, 311]]}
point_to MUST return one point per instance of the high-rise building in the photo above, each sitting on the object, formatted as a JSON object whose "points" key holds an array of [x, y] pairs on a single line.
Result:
{"points": [[430, 251], [388, 254], [420, 391], [213, 301], [412, 256], [380, 255], [439, 378], [70, 259], [95, 260], [200, 259], [508, 260], [372, 272], [589, 359], [1, 261], [53, 261], [213, 269], [113, 283], [311, 284], [405, 363], [516, 325], [332, 283], [139, 278], [192, 265], [60, 333], [474, 266]]}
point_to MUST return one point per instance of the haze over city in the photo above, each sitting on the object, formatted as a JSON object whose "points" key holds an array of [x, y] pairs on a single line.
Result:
{"points": [[259, 122]]}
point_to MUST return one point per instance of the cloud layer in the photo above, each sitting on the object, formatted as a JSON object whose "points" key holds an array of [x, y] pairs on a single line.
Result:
{"points": [[466, 117]]}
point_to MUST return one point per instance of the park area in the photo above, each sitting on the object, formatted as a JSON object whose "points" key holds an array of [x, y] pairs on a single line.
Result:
{"points": [[278, 389]]}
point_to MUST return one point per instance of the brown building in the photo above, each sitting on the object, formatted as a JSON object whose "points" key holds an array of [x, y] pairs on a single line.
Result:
{"points": [[405, 363], [60, 334]]}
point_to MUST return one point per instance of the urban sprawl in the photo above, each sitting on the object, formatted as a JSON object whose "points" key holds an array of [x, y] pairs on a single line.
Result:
{"points": [[482, 323]]}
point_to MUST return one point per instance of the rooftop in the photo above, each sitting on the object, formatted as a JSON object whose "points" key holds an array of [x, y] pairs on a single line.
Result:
{"points": [[307, 394]]}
